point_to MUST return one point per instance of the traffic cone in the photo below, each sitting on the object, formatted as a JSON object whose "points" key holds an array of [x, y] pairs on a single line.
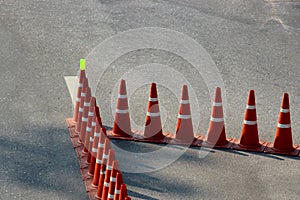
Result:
{"points": [[112, 183], [91, 118], [249, 140], [153, 129], [111, 158], [94, 148], [283, 142], [127, 198], [216, 136], [184, 127], [85, 113], [92, 137], [123, 192], [119, 181], [102, 155], [81, 105], [122, 128], [98, 116], [79, 89], [103, 183]]}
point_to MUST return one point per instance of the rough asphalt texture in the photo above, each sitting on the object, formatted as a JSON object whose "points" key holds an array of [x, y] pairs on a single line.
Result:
{"points": [[255, 45]]}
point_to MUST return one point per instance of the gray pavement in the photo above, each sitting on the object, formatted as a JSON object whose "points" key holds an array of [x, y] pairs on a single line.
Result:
{"points": [[255, 45]]}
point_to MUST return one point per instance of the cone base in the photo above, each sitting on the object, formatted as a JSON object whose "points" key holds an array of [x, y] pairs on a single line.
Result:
{"points": [[70, 122], [177, 141], [92, 195], [113, 135], [139, 137], [85, 175], [237, 146], [270, 149], [88, 185], [217, 146]]}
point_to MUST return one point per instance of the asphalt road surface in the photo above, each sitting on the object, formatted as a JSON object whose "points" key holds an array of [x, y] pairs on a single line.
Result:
{"points": [[254, 44]]}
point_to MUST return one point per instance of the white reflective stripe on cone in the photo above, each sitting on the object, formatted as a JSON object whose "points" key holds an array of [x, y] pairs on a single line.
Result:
{"points": [[122, 96], [106, 184], [102, 172], [216, 119], [84, 119], [110, 196], [86, 104], [117, 191], [97, 135], [284, 110], [109, 167], [283, 125], [93, 123], [113, 179], [82, 94], [250, 107], [80, 85], [78, 99], [121, 111], [105, 156], [153, 99], [91, 139], [217, 103], [88, 129], [98, 161], [94, 150], [91, 114], [184, 116], [80, 109], [100, 145], [150, 114], [184, 101], [250, 122]]}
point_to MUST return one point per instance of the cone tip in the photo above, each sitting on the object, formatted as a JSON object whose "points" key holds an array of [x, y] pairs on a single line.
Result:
{"points": [[93, 102], [122, 87], [115, 165], [218, 96], [185, 94], [285, 101], [251, 98], [153, 90]]}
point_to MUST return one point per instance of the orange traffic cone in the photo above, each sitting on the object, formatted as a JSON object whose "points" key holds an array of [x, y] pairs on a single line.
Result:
{"points": [[127, 198], [92, 137], [79, 89], [119, 181], [103, 168], [122, 128], [216, 136], [94, 148], [84, 116], [80, 109], [105, 174], [184, 127], [112, 183], [283, 142], [249, 140], [103, 148], [153, 129], [123, 192], [88, 131], [111, 158]]}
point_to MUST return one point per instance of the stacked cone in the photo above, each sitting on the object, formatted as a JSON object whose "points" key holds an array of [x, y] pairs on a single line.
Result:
{"points": [[184, 127], [249, 140], [112, 181], [91, 119], [94, 148], [84, 119], [153, 129], [216, 136], [283, 142], [81, 106], [119, 182], [79, 89], [122, 126]]}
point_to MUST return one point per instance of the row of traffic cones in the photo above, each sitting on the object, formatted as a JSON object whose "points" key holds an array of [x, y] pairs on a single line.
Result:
{"points": [[98, 166], [216, 135]]}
